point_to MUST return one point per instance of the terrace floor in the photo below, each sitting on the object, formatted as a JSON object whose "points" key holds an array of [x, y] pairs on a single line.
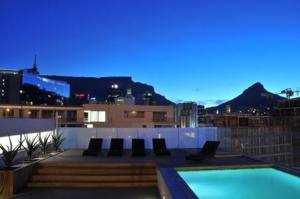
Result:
{"points": [[177, 159]]}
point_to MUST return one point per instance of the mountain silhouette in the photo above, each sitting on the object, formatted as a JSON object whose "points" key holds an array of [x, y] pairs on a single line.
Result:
{"points": [[256, 96], [98, 87]]}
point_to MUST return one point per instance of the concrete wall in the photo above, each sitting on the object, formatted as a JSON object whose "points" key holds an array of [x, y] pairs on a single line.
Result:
{"points": [[175, 137]]}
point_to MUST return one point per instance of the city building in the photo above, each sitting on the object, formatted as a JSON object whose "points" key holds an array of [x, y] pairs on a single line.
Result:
{"points": [[96, 115], [148, 98], [287, 114], [113, 93], [287, 108], [128, 116], [235, 120], [129, 99], [28, 87], [202, 119], [80, 98], [186, 115], [10, 86], [66, 116]]}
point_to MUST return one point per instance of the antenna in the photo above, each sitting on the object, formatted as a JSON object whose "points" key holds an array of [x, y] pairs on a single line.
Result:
{"points": [[34, 66], [34, 62]]}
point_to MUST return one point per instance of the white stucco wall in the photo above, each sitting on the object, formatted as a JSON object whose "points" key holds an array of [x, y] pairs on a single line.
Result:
{"points": [[175, 137], [15, 126]]}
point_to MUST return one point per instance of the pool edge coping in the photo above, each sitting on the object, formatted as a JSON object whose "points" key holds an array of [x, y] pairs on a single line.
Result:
{"points": [[169, 180]]}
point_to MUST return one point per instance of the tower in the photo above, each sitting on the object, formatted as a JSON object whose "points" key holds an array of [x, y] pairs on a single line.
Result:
{"points": [[34, 68]]}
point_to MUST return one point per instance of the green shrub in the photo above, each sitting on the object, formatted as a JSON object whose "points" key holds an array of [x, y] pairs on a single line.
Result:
{"points": [[31, 145], [44, 142], [9, 152], [57, 140]]}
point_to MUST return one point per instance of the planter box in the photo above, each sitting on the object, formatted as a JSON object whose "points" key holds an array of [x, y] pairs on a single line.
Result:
{"points": [[12, 181]]}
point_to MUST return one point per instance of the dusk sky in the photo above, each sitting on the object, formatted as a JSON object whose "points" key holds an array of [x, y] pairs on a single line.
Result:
{"points": [[204, 51]]}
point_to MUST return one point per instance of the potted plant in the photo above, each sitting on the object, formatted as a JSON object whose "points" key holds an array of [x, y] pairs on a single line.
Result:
{"points": [[57, 141], [31, 146], [9, 153], [44, 143], [13, 179]]}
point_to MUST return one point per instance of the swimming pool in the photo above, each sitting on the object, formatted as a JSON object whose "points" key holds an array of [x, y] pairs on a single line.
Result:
{"points": [[258, 183]]}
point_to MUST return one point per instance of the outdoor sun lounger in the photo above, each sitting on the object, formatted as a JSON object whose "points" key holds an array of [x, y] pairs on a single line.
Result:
{"points": [[116, 147], [138, 147], [95, 147], [159, 147], [208, 151]]}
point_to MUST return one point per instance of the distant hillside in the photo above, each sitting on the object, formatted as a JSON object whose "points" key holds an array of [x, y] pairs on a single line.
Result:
{"points": [[256, 96], [98, 87]]}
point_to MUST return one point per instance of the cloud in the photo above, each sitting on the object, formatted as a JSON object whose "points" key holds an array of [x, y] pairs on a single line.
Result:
{"points": [[211, 102], [206, 103]]}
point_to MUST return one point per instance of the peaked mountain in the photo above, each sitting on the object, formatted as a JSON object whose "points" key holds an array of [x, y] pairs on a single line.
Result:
{"points": [[256, 96], [98, 87]]}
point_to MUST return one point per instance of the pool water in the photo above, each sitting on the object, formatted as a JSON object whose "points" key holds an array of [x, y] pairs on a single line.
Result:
{"points": [[260, 183]]}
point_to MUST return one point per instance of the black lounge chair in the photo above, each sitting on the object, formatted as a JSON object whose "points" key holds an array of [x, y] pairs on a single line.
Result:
{"points": [[160, 148], [138, 147], [95, 147], [208, 151], [116, 147]]}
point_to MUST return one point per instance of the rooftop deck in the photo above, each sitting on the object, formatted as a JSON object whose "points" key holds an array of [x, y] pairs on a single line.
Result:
{"points": [[176, 160]]}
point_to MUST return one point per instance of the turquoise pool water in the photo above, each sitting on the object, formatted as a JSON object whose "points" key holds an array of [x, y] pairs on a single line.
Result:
{"points": [[262, 183]]}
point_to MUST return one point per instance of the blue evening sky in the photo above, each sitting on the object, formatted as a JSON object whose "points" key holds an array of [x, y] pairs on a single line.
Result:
{"points": [[192, 50]]}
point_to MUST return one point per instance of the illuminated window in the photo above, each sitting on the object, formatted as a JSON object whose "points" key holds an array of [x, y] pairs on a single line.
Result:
{"points": [[95, 116], [134, 114]]}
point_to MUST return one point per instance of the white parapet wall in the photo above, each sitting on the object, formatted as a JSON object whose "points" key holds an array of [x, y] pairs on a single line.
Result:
{"points": [[16, 126], [78, 138], [12, 128]]}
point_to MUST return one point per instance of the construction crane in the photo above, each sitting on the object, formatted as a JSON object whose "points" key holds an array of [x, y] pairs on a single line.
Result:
{"points": [[288, 92]]}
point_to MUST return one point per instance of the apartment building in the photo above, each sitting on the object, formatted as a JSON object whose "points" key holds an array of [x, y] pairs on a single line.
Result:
{"points": [[96, 115], [234, 120], [186, 115], [128, 116], [66, 116]]}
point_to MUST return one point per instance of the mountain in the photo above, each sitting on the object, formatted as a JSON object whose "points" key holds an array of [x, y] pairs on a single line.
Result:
{"points": [[98, 87], [256, 96]]}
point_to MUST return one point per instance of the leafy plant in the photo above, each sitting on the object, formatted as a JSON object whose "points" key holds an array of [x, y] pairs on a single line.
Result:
{"points": [[57, 140], [31, 145], [44, 143], [9, 153]]}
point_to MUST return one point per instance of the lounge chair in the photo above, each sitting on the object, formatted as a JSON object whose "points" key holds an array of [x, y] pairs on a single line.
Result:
{"points": [[138, 147], [208, 151], [95, 147], [116, 147], [159, 147]]}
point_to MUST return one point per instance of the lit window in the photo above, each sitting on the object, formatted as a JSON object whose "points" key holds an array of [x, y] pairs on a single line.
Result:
{"points": [[134, 114], [95, 116]]}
